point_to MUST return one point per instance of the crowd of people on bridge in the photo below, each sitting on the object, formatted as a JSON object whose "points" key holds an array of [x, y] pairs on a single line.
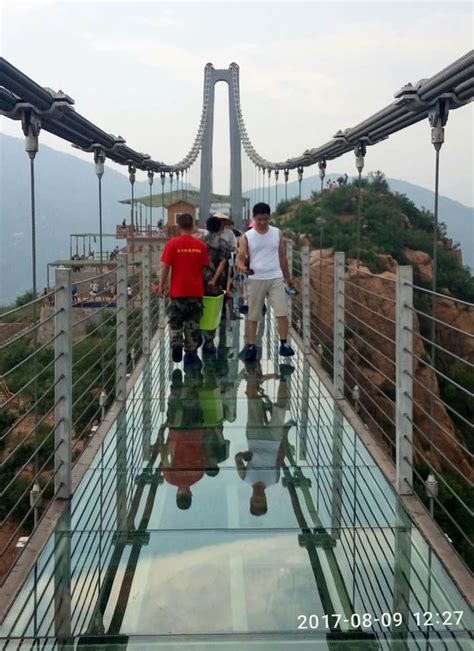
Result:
{"points": [[202, 263]]}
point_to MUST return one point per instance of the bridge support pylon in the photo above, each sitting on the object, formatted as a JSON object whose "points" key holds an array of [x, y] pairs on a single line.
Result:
{"points": [[211, 77]]}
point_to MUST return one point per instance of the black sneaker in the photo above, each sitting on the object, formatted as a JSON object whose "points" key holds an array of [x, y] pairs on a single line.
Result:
{"points": [[209, 348], [249, 353], [286, 370], [286, 350], [176, 379], [177, 353], [191, 361]]}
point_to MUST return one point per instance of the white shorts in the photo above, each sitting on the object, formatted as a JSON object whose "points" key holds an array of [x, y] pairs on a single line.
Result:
{"points": [[258, 290]]}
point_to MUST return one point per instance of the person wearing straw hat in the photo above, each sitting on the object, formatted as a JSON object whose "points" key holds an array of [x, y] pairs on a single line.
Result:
{"points": [[227, 234]]}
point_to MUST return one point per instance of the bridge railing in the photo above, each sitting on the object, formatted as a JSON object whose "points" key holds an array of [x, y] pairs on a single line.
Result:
{"points": [[402, 356], [63, 363], [27, 427]]}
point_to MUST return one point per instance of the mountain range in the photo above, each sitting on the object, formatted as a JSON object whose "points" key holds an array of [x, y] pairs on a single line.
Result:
{"points": [[67, 202]]}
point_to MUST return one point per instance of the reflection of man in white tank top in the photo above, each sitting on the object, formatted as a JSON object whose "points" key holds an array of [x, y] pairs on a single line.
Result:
{"points": [[267, 440], [267, 269]]}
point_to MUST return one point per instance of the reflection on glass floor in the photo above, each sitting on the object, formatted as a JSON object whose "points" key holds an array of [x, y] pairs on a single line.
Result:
{"points": [[234, 506]]}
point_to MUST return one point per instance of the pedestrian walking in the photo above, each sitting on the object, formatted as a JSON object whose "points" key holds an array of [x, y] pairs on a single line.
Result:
{"points": [[228, 232], [267, 272], [185, 257], [219, 255]]}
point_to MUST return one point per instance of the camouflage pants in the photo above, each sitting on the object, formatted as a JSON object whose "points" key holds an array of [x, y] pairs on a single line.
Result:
{"points": [[184, 315]]}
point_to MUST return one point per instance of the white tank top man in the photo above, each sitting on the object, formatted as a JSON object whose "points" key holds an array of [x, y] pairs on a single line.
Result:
{"points": [[267, 271]]}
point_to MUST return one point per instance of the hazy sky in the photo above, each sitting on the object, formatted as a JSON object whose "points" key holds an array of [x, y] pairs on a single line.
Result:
{"points": [[306, 70]]}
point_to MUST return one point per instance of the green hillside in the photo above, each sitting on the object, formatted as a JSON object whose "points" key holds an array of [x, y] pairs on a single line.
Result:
{"points": [[390, 224]]}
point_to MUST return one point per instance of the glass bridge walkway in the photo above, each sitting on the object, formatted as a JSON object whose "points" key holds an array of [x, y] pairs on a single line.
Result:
{"points": [[235, 507]]}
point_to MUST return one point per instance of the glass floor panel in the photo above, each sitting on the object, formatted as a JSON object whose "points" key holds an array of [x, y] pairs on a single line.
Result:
{"points": [[235, 507]]}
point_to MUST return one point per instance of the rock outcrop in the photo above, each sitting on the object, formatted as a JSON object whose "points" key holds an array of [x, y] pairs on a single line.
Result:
{"points": [[422, 261], [370, 352]]}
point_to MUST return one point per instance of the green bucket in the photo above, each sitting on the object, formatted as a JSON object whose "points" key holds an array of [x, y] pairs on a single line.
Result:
{"points": [[212, 309], [212, 407]]}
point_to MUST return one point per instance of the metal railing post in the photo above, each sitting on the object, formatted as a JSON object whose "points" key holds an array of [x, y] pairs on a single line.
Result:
{"points": [[404, 380], [289, 257], [306, 298], [337, 470], [63, 384], [121, 341], [304, 418], [402, 566], [339, 322], [161, 313], [146, 320]]}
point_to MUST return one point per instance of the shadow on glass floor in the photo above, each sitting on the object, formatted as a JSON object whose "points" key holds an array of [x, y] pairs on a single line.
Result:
{"points": [[234, 505]]}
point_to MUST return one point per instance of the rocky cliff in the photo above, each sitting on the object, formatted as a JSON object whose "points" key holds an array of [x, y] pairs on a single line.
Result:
{"points": [[370, 352]]}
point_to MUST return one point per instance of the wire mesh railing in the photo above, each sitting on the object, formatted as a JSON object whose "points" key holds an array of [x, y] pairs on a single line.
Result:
{"points": [[105, 516], [27, 427], [63, 363], [403, 357]]}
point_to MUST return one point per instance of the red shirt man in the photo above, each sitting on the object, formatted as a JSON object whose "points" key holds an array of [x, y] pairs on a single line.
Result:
{"points": [[186, 257]]}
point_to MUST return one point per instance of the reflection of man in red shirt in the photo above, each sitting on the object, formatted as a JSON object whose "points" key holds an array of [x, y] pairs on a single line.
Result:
{"points": [[186, 257], [183, 457], [184, 462]]}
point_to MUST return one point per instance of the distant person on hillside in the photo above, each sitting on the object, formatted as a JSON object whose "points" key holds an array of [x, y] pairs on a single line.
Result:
{"points": [[185, 257], [124, 223]]}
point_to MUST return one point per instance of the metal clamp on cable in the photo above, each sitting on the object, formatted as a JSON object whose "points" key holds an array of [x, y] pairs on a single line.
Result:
{"points": [[132, 170], [438, 116], [322, 169], [31, 125], [360, 151], [99, 160]]}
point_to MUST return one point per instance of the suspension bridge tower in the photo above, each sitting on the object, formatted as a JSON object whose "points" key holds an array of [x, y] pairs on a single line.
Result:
{"points": [[231, 77]]}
